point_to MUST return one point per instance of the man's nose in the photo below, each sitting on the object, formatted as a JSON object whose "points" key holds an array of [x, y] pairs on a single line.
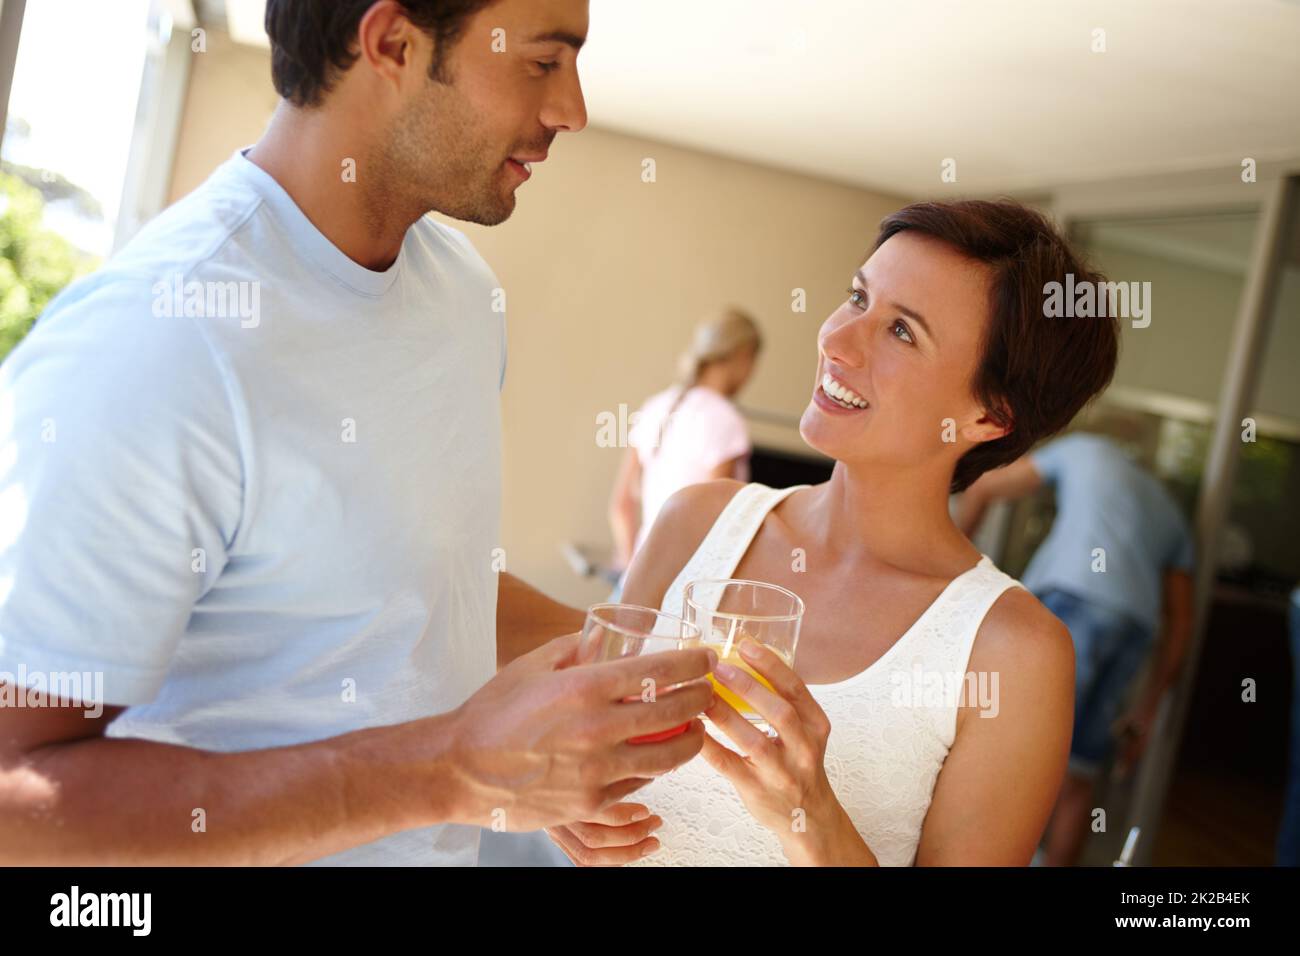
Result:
{"points": [[566, 110]]}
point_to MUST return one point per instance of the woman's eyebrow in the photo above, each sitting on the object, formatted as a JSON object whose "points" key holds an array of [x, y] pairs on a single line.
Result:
{"points": [[910, 313]]}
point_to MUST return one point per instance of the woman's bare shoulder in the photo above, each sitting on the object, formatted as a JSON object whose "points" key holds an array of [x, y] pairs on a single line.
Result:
{"points": [[703, 500], [678, 531], [689, 513], [1028, 657], [1020, 636]]}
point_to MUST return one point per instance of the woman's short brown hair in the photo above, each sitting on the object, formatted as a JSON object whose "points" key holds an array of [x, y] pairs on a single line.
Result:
{"points": [[1035, 372]]}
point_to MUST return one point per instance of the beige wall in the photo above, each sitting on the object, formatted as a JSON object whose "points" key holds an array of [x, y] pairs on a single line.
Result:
{"points": [[605, 275], [227, 104]]}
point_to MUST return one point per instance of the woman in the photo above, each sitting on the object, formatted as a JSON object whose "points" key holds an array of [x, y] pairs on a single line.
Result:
{"points": [[939, 365], [688, 433]]}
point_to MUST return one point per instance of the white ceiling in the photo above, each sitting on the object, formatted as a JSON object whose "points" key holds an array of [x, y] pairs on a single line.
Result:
{"points": [[879, 93]]}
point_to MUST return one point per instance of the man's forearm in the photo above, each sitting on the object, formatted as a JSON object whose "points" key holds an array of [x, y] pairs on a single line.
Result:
{"points": [[1175, 635], [527, 619], [1167, 662], [121, 801]]}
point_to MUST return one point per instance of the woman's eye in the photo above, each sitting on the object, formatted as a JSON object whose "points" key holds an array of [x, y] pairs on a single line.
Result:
{"points": [[907, 334], [857, 298], [547, 67]]}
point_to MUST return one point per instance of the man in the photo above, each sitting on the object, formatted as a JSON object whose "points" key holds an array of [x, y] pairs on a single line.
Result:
{"points": [[251, 487], [1117, 562]]}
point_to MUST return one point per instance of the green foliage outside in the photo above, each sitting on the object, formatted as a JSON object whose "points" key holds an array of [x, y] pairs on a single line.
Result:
{"points": [[35, 263]]}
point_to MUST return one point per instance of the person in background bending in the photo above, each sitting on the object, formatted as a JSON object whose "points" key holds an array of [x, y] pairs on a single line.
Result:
{"points": [[688, 433], [1116, 568]]}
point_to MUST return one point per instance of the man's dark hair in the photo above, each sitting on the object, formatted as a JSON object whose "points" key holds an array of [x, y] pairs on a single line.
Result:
{"points": [[1035, 372], [313, 41]]}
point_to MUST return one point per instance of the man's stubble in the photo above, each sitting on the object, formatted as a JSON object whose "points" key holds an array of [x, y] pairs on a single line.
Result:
{"points": [[434, 157]]}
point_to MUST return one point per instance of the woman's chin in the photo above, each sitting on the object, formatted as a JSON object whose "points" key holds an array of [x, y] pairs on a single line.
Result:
{"points": [[817, 431]]}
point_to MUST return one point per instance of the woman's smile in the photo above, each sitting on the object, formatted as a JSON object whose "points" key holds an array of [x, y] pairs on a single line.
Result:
{"points": [[834, 396]]}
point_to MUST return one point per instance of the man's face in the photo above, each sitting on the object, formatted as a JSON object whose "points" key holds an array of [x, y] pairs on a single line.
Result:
{"points": [[510, 84]]}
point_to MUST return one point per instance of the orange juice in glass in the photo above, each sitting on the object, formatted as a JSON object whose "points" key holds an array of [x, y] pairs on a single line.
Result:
{"points": [[728, 611]]}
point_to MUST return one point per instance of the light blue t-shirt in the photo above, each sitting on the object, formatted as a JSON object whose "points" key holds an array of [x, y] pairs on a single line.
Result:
{"points": [[257, 485], [1105, 500]]}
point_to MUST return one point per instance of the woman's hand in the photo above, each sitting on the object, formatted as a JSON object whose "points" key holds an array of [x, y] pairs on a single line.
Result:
{"points": [[616, 835], [782, 781]]}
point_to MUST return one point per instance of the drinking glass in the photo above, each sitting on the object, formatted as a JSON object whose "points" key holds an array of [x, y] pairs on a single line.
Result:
{"points": [[727, 611], [616, 631]]}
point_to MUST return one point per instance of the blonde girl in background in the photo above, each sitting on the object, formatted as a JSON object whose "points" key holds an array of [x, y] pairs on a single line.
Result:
{"points": [[688, 433]]}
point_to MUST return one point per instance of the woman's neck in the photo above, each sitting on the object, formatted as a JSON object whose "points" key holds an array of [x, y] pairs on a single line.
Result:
{"points": [[893, 516], [715, 378]]}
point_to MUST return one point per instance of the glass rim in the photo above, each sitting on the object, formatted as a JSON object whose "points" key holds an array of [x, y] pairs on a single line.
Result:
{"points": [[594, 609], [798, 601]]}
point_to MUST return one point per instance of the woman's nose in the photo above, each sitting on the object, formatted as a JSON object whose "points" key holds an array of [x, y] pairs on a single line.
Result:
{"points": [[844, 344]]}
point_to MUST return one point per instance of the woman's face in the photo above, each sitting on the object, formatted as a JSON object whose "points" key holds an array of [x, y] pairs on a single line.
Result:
{"points": [[906, 343]]}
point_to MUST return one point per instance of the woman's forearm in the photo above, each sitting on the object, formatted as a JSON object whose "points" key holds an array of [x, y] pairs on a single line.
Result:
{"points": [[835, 842]]}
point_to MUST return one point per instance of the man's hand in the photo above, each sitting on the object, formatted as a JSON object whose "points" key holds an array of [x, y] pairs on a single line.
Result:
{"points": [[546, 742], [618, 834]]}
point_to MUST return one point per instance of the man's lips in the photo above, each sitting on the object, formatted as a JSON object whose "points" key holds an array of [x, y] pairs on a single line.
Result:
{"points": [[522, 164]]}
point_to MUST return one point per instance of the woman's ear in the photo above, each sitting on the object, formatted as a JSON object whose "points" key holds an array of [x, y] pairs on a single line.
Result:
{"points": [[988, 427]]}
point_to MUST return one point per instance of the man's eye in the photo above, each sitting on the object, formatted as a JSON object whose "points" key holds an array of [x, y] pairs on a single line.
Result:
{"points": [[548, 66], [857, 298], [907, 334]]}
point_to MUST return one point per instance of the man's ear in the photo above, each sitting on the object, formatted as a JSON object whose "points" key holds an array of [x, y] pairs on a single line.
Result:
{"points": [[388, 41]]}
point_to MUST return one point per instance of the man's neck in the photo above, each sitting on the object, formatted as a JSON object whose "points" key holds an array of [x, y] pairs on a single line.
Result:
{"points": [[303, 152]]}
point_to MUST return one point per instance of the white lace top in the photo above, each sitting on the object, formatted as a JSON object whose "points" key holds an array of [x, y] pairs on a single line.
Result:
{"points": [[883, 755]]}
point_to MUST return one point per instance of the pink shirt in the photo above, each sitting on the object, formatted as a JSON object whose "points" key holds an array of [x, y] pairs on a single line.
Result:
{"points": [[705, 430]]}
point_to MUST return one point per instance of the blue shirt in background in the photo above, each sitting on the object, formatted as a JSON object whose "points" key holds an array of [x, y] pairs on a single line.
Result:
{"points": [[1105, 500]]}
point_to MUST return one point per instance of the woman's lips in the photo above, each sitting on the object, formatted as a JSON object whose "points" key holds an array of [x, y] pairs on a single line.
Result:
{"points": [[830, 406]]}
